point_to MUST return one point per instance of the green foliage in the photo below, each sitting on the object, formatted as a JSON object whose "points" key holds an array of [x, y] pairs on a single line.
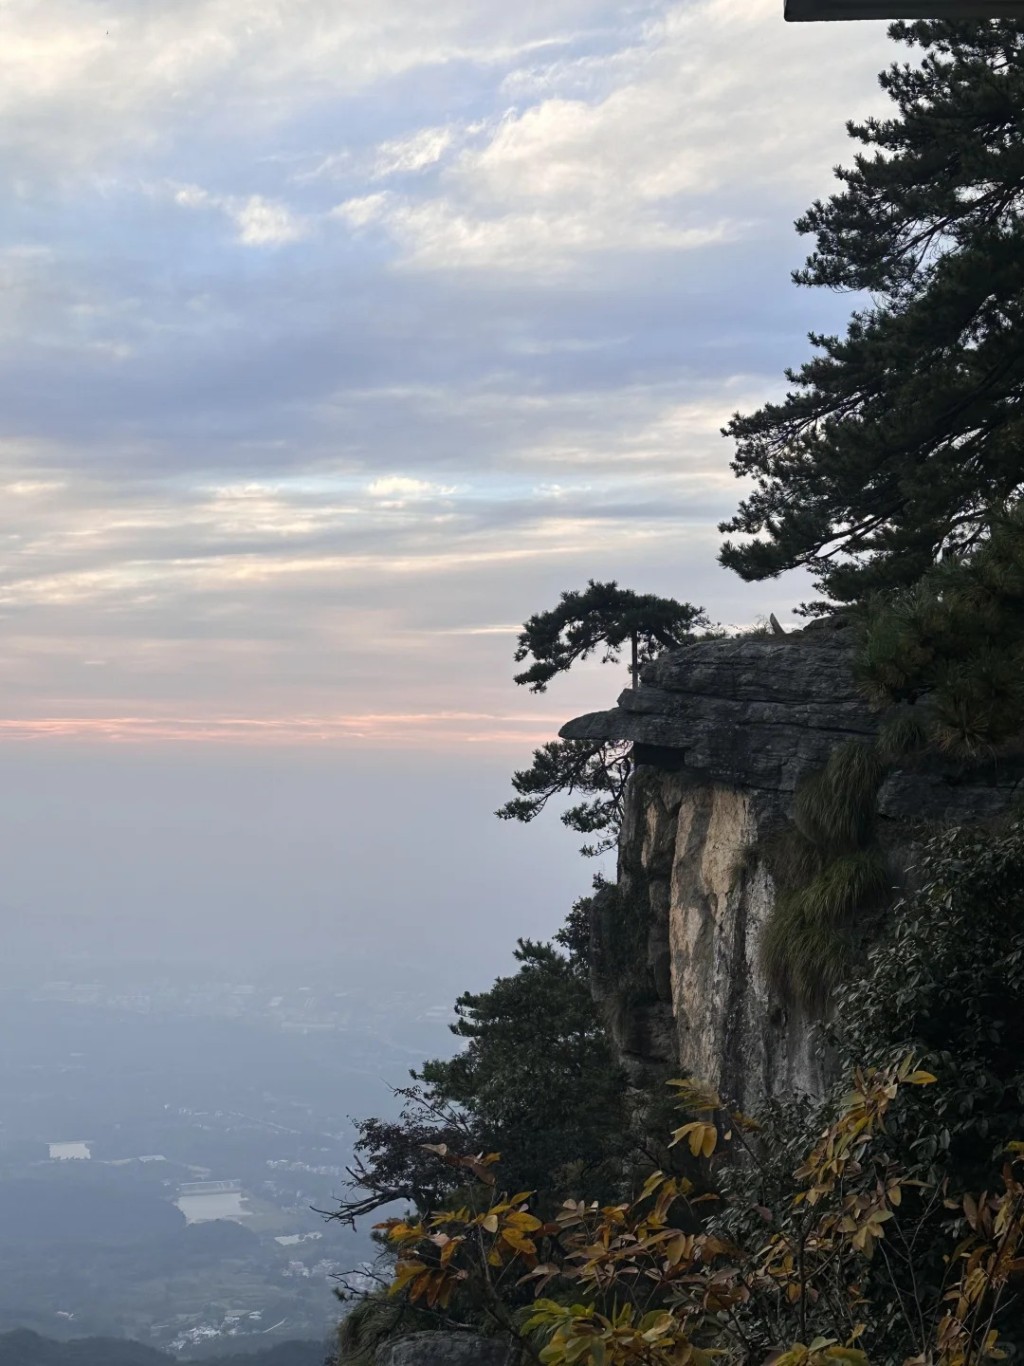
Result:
{"points": [[623, 973], [602, 617], [897, 440], [392, 1157], [945, 658], [595, 770], [888, 1227], [373, 1320], [947, 980], [835, 808], [902, 733], [830, 875], [648, 1282], [949, 652], [815, 932], [538, 1076]]}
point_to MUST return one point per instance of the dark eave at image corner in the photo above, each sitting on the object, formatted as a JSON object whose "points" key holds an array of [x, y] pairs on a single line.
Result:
{"points": [[809, 11]]}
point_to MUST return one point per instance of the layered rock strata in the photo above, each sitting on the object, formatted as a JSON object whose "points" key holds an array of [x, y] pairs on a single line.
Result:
{"points": [[723, 731]]}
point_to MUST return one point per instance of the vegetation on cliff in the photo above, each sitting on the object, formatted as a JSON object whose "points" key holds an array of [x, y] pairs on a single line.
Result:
{"points": [[893, 468], [536, 1077], [602, 619], [945, 659], [830, 874], [888, 1224]]}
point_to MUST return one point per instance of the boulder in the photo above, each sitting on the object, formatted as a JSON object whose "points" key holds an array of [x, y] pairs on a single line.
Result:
{"points": [[447, 1349]]}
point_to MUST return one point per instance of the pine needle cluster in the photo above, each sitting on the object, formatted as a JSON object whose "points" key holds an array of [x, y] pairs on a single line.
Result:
{"points": [[948, 654]]}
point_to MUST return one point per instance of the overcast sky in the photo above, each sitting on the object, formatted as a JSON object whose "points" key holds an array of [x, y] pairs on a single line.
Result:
{"points": [[337, 337]]}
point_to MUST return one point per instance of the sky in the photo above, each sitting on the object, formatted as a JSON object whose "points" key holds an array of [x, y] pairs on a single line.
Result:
{"points": [[336, 339]]}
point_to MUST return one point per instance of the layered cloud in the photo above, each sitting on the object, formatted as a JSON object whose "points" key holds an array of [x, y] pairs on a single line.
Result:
{"points": [[338, 338]]}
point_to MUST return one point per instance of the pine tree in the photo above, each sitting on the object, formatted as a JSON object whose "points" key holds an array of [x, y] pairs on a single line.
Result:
{"points": [[897, 440], [535, 1080], [946, 657], [538, 1076], [601, 618]]}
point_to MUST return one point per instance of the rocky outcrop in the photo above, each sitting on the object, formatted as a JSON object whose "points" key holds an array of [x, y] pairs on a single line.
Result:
{"points": [[723, 732], [755, 713], [447, 1349]]}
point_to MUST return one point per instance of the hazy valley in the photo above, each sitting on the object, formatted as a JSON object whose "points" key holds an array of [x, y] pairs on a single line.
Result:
{"points": [[167, 1138]]}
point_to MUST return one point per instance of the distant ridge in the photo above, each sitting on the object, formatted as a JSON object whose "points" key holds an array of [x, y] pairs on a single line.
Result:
{"points": [[25, 1348]]}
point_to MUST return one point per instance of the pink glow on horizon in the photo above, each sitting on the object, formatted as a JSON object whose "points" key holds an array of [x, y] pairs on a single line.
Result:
{"points": [[417, 730]]}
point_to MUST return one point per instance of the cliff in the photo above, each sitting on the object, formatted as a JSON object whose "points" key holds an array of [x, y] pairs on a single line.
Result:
{"points": [[447, 1349], [723, 731]]}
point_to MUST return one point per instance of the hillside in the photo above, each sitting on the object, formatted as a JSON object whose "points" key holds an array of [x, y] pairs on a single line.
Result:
{"points": [[25, 1348]]}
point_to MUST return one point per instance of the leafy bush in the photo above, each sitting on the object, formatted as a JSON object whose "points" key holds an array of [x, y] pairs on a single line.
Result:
{"points": [[946, 980], [646, 1281], [887, 1227]]}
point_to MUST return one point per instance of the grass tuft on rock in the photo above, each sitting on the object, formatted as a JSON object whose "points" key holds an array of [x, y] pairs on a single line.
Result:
{"points": [[813, 937], [830, 874]]}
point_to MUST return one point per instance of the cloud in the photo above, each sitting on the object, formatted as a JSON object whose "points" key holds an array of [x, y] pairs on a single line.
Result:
{"points": [[401, 486], [393, 730], [193, 197], [333, 333], [415, 152], [81, 80], [262, 223], [363, 210], [678, 139], [258, 222], [440, 236]]}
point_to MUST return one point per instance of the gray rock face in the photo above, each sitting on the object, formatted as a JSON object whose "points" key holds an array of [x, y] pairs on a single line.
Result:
{"points": [[723, 732], [446, 1349], [693, 903], [758, 713]]}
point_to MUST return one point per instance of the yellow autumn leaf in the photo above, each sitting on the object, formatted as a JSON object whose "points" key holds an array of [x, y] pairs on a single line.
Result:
{"points": [[681, 1246], [657, 1179], [519, 1241], [404, 1273], [528, 1223], [700, 1137]]}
